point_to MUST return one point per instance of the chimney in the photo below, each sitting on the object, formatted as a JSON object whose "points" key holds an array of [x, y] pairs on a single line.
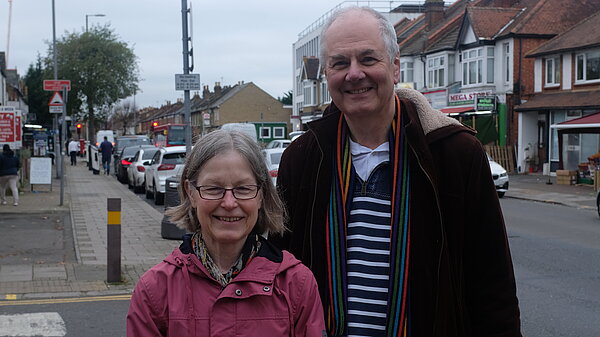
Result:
{"points": [[217, 88], [434, 12], [205, 92]]}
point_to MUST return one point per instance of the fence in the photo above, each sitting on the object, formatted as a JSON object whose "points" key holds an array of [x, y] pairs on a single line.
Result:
{"points": [[503, 155]]}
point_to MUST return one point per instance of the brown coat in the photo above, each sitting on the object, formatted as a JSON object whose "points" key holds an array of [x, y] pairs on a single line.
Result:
{"points": [[461, 274]]}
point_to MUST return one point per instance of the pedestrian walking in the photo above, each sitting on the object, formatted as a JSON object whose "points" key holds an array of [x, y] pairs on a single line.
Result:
{"points": [[392, 204], [226, 279], [9, 170], [73, 149], [106, 149]]}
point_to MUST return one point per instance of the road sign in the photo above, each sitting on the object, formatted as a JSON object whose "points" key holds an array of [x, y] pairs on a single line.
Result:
{"points": [[55, 109], [56, 85], [187, 81], [56, 100]]}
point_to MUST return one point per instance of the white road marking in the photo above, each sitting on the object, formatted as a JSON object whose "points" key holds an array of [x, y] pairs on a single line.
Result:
{"points": [[42, 324]]}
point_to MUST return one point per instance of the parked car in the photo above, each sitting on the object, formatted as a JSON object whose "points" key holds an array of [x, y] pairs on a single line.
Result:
{"points": [[295, 134], [169, 230], [500, 177], [137, 168], [272, 159], [124, 160], [122, 142], [278, 143], [166, 162]]}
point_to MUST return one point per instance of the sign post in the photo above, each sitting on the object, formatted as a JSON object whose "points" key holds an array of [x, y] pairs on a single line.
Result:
{"points": [[57, 105]]}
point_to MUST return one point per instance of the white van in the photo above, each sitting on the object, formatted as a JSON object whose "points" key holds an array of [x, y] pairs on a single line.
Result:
{"points": [[247, 128], [110, 136]]}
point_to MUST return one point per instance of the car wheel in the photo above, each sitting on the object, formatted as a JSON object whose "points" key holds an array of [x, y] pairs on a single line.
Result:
{"points": [[500, 194], [158, 197], [149, 194]]}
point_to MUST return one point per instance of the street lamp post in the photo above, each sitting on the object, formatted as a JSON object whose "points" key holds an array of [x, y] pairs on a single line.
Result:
{"points": [[86, 19]]}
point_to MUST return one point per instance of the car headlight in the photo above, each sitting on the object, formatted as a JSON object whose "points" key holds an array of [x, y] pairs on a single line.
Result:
{"points": [[173, 184], [503, 174]]}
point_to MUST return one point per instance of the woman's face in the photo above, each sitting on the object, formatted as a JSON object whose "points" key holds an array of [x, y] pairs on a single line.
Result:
{"points": [[226, 222]]}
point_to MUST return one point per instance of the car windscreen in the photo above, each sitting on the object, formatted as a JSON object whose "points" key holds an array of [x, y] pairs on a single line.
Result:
{"points": [[174, 158], [148, 154], [129, 151]]}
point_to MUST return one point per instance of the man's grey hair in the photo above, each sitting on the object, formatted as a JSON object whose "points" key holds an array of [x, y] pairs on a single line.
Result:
{"points": [[386, 29]]}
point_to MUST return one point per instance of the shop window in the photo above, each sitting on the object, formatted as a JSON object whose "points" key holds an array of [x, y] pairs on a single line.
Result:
{"points": [[265, 132], [278, 132]]}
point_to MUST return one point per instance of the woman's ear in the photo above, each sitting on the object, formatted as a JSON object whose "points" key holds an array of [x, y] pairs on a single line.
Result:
{"points": [[189, 190]]}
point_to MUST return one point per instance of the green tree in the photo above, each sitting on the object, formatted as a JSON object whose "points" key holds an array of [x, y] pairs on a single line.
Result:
{"points": [[102, 71], [37, 98], [287, 99]]}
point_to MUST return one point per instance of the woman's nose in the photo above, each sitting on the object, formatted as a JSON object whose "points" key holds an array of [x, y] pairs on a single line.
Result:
{"points": [[229, 200]]}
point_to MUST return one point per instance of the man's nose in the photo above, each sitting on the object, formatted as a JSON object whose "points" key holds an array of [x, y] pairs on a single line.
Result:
{"points": [[355, 72]]}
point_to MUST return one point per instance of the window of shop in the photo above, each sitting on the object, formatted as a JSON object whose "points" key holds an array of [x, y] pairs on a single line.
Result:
{"points": [[436, 67], [265, 132], [474, 68], [552, 72], [278, 132], [406, 72], [587, 67]]}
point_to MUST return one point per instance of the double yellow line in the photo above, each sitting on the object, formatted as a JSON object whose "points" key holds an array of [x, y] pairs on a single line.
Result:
{"points": [[66, 300]]}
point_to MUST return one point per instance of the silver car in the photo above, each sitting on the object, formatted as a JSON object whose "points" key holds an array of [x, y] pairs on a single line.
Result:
{"points": [[167, 162], [137, 168]]}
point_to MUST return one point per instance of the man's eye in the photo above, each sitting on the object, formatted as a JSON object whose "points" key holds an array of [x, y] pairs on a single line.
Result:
{"points": [[338, 64], [369, 60]]}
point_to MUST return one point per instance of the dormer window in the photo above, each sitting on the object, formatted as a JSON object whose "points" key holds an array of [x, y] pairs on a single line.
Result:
{"points": [[552, 72], [587, 67]]}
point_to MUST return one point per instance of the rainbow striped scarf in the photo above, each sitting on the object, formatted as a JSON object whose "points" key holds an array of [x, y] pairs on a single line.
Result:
{"points": [[339, 205]]}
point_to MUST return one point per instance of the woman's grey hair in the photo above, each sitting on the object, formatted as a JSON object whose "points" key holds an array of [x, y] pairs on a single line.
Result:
{"points": [[386, 29], [271, 215]]}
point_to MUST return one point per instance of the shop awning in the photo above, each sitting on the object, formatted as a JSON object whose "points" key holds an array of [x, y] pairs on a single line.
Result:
{"points": [[457, 109], [588, 99], [586, 122]]}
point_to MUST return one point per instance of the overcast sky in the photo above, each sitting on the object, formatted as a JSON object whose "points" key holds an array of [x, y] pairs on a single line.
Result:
{"points": [[234, 40]]}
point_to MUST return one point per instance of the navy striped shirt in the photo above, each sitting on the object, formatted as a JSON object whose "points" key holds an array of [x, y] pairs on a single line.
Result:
{"points": [[368, 250]]}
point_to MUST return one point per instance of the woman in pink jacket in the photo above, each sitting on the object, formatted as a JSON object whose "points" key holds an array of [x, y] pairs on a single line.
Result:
{"points": [[225, 279]]}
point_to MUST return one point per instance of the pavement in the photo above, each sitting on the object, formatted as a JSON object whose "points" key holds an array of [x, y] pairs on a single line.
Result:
{"points": [[85, 206]]}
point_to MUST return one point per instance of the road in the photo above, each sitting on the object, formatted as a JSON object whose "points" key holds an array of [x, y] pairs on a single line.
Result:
{"points": [[555, 252], [72, 317]]}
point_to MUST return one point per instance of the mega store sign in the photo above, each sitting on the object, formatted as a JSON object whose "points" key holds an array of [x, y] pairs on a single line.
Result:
{"points": [[466, 98]]}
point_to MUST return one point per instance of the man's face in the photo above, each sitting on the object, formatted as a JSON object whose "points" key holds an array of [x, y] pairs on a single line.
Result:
{"points": [[359, 73]]}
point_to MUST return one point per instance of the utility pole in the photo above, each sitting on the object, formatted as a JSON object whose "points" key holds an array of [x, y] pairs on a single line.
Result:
{"points": [[187, 116], [57, 146]]}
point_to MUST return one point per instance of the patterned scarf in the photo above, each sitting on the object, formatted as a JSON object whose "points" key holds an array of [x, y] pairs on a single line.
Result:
{"points": [[339, 205], [251, 247]]}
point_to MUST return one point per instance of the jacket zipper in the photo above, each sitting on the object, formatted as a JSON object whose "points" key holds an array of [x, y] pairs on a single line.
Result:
{"points": [[437, 200], [314, 200]]}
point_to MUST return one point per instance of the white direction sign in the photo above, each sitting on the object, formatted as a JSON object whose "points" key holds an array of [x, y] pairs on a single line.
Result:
{"points": [[187, 81], [55, 109]]}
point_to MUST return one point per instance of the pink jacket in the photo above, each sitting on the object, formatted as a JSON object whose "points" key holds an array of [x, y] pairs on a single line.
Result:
{"points": [[178, 297]]}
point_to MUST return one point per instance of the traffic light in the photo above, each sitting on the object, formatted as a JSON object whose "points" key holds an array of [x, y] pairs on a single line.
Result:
{"points": [[153, 125], [79, 125]]}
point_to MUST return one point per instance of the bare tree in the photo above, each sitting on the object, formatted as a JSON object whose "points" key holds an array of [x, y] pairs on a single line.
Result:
{"points": [[123, 116]]}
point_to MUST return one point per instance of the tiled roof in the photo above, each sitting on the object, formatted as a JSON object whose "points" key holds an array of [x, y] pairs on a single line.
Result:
{"points": [[550, 17], [489, 21], [583, 35], [562, 100]]}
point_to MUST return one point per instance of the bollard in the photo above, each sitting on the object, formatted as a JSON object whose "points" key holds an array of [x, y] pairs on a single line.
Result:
{"points": [[113, 242]]}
